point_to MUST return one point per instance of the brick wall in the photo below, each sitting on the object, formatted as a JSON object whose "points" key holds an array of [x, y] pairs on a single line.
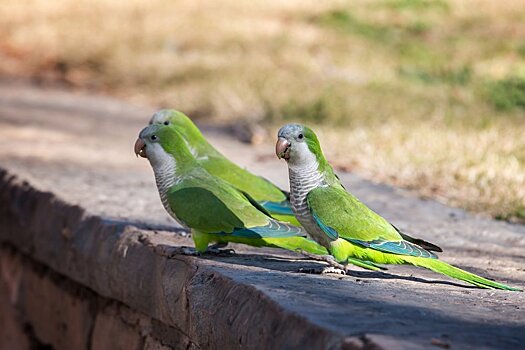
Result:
{"points": [[40, 309]]}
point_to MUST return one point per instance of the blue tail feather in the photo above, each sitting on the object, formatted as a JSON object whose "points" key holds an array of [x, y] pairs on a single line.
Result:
{"points": [[279, 208], [399, 247], [274, 229]]}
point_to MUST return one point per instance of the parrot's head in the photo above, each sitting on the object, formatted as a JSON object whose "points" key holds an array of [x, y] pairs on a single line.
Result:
{"points": [[298, 145], [160, 144], [171, 117], [185, 126]]}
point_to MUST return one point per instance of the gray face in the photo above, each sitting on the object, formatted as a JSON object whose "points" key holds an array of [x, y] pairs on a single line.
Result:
{"points": [[291, 145], [149, 135], [148, 146], [291, 133]]}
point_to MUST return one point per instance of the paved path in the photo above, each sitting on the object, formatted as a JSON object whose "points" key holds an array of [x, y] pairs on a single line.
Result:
{"points": [[80, 148]]}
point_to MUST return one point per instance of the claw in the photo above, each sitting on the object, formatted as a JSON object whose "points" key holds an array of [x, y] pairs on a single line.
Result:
{"points": [[212, 250], [331, 269], [330, 260], [189, 251], [323, 270]]}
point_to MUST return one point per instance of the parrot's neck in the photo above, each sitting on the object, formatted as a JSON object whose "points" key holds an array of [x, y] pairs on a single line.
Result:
{"points": [[304, 171], [169, 167], [303, 179], [166, 176]]}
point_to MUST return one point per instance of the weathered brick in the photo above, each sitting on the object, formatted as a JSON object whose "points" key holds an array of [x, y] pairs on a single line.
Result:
{"points": [[57, 316], [112, 333], [12, 335], [153, 344]]}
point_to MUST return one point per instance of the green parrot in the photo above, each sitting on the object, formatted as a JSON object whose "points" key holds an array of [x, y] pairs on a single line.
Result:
{"points": [[271, 197], [213, 209], [341, 223]]}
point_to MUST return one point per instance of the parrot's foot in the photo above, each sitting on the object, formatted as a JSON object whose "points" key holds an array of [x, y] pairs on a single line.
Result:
{"points": [[323, 270], [218, 245], [189, 251], [334, 267], [214, 250], [331, 269], [211, 250]]}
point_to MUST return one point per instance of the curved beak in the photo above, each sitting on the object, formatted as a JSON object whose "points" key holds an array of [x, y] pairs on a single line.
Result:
{"points": [[140, 148], [281, 148]]}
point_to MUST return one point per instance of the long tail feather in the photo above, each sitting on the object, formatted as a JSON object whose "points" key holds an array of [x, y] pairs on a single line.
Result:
{"points": [[366, 264], [274, 234], [454, 272], [274, 229], [292, 220]]}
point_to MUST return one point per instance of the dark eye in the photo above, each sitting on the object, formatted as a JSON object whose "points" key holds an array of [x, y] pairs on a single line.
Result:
{"points": [[300, 136], [166, 123], [153, 137]]}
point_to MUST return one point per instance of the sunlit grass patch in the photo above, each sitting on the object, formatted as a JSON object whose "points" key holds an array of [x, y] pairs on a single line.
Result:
{"points": [[461, 76], [507, 94], [418, 5], [345, 21], [474, 168]]}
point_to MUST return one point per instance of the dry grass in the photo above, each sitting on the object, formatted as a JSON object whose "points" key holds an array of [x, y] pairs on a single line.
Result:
{"points": [[427, 94], [471, 169]]}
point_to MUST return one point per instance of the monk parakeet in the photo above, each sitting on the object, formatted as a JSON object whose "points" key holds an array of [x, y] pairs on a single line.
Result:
{"points": [[271, 197], [341, 223], [213, 209]]}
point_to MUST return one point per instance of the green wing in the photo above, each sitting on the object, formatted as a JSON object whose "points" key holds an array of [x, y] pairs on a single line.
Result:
{"points": [[256, 204], [259, 188], [210, 205], [272, 198], [204, 210], [213, 207], [340, 215]]}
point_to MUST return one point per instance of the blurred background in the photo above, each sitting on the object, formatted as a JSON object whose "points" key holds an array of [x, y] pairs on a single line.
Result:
{"points": [[423, 94]]}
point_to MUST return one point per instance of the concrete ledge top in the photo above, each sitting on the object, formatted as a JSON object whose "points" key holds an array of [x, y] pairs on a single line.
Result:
{"points": [[74, 197]]}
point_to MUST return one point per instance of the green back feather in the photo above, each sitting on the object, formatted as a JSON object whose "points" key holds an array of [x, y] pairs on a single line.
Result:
{"points": [[259, 188]]}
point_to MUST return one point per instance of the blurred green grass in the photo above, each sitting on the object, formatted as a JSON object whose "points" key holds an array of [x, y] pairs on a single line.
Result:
{"points": [[426, 94]]}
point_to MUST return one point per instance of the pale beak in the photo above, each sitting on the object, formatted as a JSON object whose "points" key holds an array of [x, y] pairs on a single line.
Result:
{"points": [[140, 148], [281, 148]]}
